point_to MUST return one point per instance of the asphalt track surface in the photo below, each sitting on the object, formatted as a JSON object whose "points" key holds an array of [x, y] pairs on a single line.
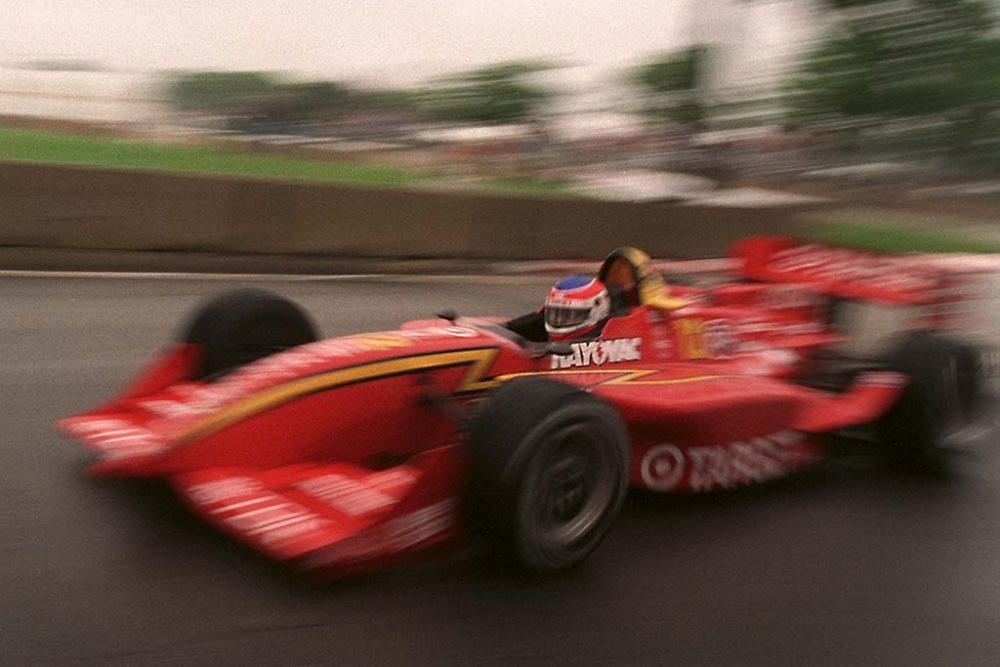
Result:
{"points": [[846, 565]]}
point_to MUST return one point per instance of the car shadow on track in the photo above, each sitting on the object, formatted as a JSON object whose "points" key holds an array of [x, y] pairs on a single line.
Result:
{"points": [[165, 536]]}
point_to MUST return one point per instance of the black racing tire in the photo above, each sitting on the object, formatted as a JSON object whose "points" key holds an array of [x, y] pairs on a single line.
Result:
{"points": [[241, 326], [944, 393], [549, 473]]}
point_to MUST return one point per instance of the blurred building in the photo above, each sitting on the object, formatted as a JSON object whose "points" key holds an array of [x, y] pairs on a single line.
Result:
{"points": [[756, 45], [79, 92]]}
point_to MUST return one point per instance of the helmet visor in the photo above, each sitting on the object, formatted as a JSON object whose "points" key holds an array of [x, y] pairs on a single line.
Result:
{"points": [[564, 317]]}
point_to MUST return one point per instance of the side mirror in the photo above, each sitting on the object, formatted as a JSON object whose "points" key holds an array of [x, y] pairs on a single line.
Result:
{"points": [[448, 314]]}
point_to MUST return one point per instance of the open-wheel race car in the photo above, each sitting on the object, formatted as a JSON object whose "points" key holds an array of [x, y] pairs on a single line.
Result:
{"points": [[348, 454]]}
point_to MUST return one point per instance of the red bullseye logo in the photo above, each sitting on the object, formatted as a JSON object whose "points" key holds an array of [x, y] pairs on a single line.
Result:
{"points": [[662, 467]]}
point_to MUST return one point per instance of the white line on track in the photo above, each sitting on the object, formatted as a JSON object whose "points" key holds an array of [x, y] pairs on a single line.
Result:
{"points": [[508, 272], [272, 277], [144, 275]]}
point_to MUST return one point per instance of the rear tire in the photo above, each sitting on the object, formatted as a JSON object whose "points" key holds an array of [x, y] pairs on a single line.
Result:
{"points": [[244, 325], [549, 473], [943, 395]]}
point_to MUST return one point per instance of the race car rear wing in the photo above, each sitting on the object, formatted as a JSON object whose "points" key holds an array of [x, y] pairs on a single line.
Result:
{"points": [[841, 272], [855, 275]]}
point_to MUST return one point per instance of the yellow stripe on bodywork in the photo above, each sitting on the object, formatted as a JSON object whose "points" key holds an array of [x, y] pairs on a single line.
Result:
{"points": [[635, 378], [622, 377], [479, 361]]}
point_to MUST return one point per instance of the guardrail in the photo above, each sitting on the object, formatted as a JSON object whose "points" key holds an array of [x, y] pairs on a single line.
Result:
{"points": [[46, 206]]}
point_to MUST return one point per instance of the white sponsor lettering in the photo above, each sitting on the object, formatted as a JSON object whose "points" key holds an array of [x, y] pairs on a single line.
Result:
{"points": [[724, 466], [410, 529], [117, 438], [887, 273], [720, 337], [345, 494], [210, 493], [780, 297], [392, 480], [277, 523], [395, 535], [259, 520], [598, 353], [164, 407], [291, 529], [258, 513], [740, 463], [759, 326]]}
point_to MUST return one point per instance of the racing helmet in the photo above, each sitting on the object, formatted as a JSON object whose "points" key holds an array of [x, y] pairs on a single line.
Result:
{"points": [[576, 306]]}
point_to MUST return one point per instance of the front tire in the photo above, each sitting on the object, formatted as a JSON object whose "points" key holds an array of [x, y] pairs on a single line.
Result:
{"points": [[244, 325], [549, 473]]}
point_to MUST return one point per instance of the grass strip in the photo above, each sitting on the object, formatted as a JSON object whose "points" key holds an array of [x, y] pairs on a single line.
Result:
{"points": [[885, 237], [69, 149], [41, 147]]}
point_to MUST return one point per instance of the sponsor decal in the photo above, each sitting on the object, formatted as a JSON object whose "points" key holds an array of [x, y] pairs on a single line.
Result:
{"points": [[164, 408], [291, 528], [255, 512], [755, 327], [664, 467], [410, 529], [763, 362], [817, 262], [392, 480], [211, 493], [116, 438], [275, 523], [598, 353], [345, 494], [720, 337], [393, 536], [710, 339], [782, 297]]}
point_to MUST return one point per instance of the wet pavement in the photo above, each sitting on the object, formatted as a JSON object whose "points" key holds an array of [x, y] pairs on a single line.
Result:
{"points": [[846, 565]]}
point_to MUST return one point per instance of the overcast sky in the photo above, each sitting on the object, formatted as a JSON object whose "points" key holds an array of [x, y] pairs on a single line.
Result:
{"points": [[384, 39]]}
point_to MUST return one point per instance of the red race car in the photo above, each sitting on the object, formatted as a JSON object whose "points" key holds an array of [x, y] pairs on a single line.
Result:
{"points": [[349, 453]]}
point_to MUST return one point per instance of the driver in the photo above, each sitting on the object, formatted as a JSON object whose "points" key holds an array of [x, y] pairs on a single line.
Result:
{"points": [[577, 307]]}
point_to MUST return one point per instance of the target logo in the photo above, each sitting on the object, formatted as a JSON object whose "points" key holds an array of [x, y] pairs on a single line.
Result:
{"points": [[662, 467]]}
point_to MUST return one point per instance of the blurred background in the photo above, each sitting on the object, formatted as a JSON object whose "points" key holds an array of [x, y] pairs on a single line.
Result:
{"points": [[870, 122], [670, 99]]}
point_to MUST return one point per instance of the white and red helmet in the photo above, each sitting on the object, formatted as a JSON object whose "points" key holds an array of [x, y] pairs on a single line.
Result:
{"points": [[576, 305]]}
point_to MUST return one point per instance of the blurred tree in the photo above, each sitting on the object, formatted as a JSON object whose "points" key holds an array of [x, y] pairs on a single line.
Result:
{"points": [[491, 95], [218, 92], [674, 85], [248, 100], [933, 65], [290, 103], [388, 101]]}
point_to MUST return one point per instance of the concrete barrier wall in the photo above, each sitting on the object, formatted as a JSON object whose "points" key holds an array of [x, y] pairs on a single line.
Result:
{"points": [[67, 207]]}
